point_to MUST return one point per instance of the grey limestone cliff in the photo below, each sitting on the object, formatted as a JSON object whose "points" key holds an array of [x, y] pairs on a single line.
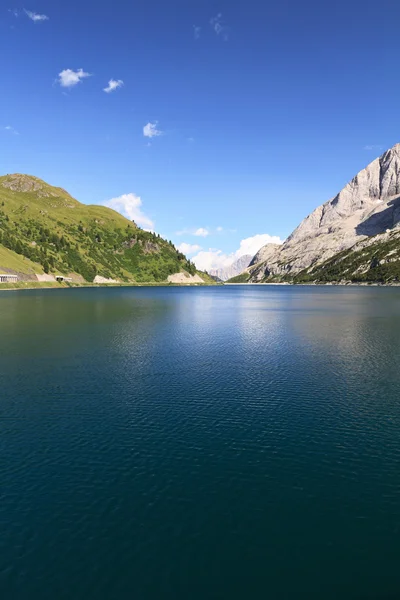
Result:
{"points": [[368, 205]]}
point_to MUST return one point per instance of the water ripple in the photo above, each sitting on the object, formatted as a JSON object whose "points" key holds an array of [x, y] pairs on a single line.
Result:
{"points": [[200, 443]]}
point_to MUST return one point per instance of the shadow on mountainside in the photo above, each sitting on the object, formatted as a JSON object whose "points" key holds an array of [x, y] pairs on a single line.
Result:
{"points": [[379, 222]]}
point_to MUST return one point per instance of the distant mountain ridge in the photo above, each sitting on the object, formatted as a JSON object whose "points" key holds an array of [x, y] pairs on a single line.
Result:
{"points": [[368, 206], [44, 231], [232, 270]]}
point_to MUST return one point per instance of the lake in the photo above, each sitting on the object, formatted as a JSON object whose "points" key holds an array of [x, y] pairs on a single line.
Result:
{"points": [[192, 443]]}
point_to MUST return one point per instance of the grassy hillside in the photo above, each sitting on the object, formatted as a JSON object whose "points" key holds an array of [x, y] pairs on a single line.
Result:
{"points": [[15, 262], [44, 229], [242, 278], [207, 278]]}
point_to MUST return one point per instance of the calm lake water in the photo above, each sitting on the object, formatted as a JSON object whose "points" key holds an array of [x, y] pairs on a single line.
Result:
{"points": [[195, 443]]}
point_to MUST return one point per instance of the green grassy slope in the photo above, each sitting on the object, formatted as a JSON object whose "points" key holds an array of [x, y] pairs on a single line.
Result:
{"points": [[207, 278], [242, 278], [42, 228], [15, 262]]}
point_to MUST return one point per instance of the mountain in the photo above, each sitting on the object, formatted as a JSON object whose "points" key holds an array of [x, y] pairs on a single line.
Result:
{"points": [[45, 232], [364, 217], [372, 260], [234, 269]]}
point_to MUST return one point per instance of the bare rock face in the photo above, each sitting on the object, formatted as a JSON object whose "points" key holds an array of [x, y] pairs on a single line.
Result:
{"points": [[148, 247], [100, 279], [265, 253], [151, 248], [184, 278], [368, 205]]}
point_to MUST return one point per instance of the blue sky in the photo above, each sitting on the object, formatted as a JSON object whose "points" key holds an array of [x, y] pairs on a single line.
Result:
{"points": [[264, 109]]}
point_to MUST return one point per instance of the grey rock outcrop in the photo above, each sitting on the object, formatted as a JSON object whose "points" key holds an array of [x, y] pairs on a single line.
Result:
{"points": [[27, 183], [368, 205]]}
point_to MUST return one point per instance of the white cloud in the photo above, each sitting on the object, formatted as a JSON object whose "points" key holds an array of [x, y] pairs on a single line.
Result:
{"points": [[196, 32], [373, 147], [188, 248], [11, 130], [218, 27], [215, 23], [15, 12], [212, 259], [35, 17], [219, 229], [216, 259], [150, 130], [69, 78], [251, 245], [201, 232], [130, 205], [113, 84]]}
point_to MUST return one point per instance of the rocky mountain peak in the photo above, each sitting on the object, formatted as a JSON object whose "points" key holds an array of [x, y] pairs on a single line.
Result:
{"points": [[368, 205], [372, 186]]}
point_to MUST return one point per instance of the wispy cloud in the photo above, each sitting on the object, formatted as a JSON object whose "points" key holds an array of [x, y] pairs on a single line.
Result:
{"points": [[219, 28], [11, 129], [373, 147], [196, 32], [130, 206], [15, 12], [35, 17], [113, 84], [188, 248], [199, 232], [150, 130], [69, 78], [216, 259]]}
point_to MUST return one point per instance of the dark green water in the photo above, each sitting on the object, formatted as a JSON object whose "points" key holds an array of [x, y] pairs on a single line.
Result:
{"points": [[195, 443]]}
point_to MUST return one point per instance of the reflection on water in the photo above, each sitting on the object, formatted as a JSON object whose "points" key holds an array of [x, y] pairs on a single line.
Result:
{"points": [[225, 442]]}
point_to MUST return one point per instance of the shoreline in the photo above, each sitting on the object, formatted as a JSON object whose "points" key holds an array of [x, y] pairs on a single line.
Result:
{"points": [[5, 287], [321, 284], [65, 286]]}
